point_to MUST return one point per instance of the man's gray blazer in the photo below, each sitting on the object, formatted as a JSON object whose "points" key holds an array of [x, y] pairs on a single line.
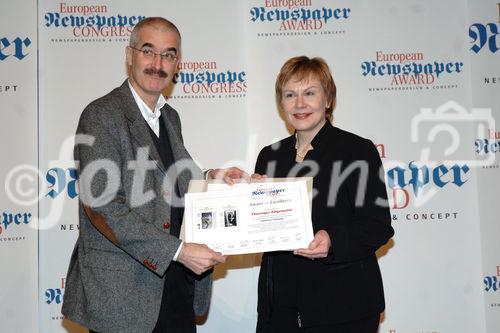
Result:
{"points": [[116, 273]]}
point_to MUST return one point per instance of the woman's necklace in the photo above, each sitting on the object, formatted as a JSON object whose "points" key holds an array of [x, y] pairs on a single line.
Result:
{"points": [[303, 155]]}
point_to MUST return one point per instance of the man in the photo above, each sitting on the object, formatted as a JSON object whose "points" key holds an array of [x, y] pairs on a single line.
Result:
{"points": [[129, 271]]}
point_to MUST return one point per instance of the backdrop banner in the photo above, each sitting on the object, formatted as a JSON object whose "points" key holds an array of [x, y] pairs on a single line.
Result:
{"points": [[419, 78], [18, 167], [484, 24], [397, 68]]}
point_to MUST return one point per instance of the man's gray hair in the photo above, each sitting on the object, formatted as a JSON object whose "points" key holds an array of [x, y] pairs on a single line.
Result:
{"points": [[159, 23]]}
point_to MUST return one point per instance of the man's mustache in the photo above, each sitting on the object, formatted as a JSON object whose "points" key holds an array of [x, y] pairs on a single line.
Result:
{"points": [[153, 71]]}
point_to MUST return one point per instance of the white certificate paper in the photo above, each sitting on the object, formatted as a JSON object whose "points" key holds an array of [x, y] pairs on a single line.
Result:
{"points": [[250, 217]]}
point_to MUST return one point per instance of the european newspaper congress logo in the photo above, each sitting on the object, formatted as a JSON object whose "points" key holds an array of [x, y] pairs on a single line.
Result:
{"points": [[298, 17], [208, 79], [396, 71], [484, 36], [88, 23]]}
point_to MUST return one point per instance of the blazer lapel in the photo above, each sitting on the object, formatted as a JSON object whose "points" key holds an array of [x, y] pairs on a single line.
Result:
{"points": [[139, 130]]}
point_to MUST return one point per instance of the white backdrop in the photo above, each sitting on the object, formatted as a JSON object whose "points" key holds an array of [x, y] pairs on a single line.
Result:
{"points": [[485, 69], [18, 142], [441, 270]]}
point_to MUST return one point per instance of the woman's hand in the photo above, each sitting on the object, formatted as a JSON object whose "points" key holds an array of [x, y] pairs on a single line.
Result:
{"points": [[318, 248], [228, 175], [257, 176]]}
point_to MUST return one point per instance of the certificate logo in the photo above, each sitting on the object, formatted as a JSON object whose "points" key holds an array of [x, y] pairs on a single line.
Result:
{"points": [[268, 192], [90, 23], [298, 17], [410, 71]]}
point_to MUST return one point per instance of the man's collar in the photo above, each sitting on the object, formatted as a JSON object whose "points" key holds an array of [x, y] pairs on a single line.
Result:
{"points": [[144, 107]]}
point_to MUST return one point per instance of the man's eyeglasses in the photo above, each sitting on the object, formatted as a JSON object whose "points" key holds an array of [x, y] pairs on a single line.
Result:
{"points": [[168, 56]]}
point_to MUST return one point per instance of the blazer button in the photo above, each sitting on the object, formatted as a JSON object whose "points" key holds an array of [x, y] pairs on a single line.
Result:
{"points": [[166, 225]]}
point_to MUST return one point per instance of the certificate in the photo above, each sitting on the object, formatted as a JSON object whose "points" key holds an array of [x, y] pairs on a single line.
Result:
{"points": [[269, 215]]}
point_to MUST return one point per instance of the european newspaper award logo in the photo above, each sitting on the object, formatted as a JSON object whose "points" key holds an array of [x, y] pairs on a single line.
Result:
{"points": [[285, 18]]}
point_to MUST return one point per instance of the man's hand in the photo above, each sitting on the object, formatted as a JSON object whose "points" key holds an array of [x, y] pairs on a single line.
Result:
{"points": [[228, 175], [199, 258], [318, 248]]}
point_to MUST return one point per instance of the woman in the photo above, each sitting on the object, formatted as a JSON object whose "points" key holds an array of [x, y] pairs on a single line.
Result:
{"points": [[334, 285]]}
